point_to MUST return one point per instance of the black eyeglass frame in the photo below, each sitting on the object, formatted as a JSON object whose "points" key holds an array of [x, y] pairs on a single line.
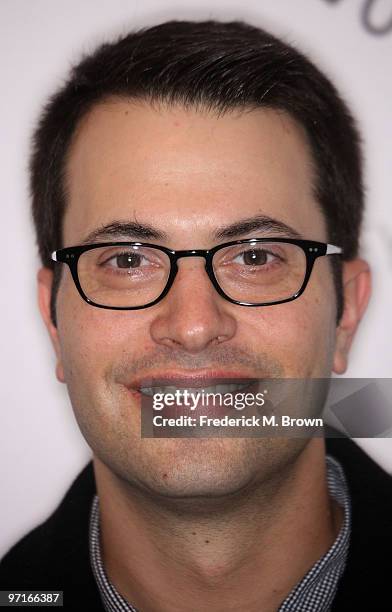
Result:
{"points": [[312, 250]]}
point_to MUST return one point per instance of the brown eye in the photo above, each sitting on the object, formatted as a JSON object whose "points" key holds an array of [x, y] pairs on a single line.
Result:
{"points": [[255, 257], [128, 260]]}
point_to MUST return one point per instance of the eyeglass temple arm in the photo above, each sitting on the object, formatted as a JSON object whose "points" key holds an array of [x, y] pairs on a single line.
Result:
{"points": [[333, 250]]}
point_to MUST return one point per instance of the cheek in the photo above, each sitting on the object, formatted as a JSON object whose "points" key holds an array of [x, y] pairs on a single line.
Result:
{"points": [[300, 335], [90, 325], [93, 339]]}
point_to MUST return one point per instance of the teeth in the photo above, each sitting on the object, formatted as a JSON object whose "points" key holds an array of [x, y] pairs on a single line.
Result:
{"points": [[223, 388]]}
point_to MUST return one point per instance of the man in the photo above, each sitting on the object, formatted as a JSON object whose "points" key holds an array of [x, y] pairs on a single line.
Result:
{"points": [[161, 153]]}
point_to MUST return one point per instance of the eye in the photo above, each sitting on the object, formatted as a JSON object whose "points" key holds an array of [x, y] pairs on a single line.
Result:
{"points": [[254, 257], [127, 260]]}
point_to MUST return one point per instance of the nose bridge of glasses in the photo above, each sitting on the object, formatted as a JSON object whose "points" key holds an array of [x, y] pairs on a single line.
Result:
{"points": [[191, 253]]}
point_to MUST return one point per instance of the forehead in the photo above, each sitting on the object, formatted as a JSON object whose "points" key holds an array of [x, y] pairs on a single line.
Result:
{"points": [[188, 170]]}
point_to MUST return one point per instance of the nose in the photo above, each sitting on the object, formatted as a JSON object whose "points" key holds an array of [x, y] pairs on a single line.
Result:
{"points": [[193, 316]]}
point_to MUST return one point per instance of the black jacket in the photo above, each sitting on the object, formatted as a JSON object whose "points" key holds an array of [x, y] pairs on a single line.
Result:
{"points": [[55, 555]]}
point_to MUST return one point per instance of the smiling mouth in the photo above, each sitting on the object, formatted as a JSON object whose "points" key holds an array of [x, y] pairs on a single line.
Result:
{"points": [[180, 389], [218, 396]]}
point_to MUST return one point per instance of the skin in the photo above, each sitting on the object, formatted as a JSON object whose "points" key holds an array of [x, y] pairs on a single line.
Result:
{"points": [[217, 520]]}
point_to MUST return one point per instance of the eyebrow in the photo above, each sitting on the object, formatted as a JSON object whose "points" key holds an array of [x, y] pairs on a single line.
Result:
{"points": [[125, 230], [260, 223]]}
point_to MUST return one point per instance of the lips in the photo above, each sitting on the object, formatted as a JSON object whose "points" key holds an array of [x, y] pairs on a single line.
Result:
{"points": [[170, 389], [194, 386], [189, 380], [193, 396]]}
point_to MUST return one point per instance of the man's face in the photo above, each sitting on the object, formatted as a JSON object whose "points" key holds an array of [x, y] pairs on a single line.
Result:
{"points": [[188, 174]]}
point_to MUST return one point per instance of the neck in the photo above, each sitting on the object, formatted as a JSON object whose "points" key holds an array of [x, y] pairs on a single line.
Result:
{"points": [[243, 551]]}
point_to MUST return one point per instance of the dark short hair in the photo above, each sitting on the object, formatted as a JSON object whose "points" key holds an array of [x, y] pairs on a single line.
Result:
{"points": [[210, 65]]}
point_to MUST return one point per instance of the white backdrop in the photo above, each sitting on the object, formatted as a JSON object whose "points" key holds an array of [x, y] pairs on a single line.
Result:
{"points": [[41, 449]]}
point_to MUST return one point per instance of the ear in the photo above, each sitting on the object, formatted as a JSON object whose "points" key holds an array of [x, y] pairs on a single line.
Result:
{"points": [[45, 282], [356, 288]]}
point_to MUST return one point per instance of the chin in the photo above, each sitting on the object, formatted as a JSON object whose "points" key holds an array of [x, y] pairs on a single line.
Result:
{"points": [[194, 468]]}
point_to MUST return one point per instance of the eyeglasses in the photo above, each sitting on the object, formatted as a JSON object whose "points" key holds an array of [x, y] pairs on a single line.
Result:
{"points": [[135, 275]]}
